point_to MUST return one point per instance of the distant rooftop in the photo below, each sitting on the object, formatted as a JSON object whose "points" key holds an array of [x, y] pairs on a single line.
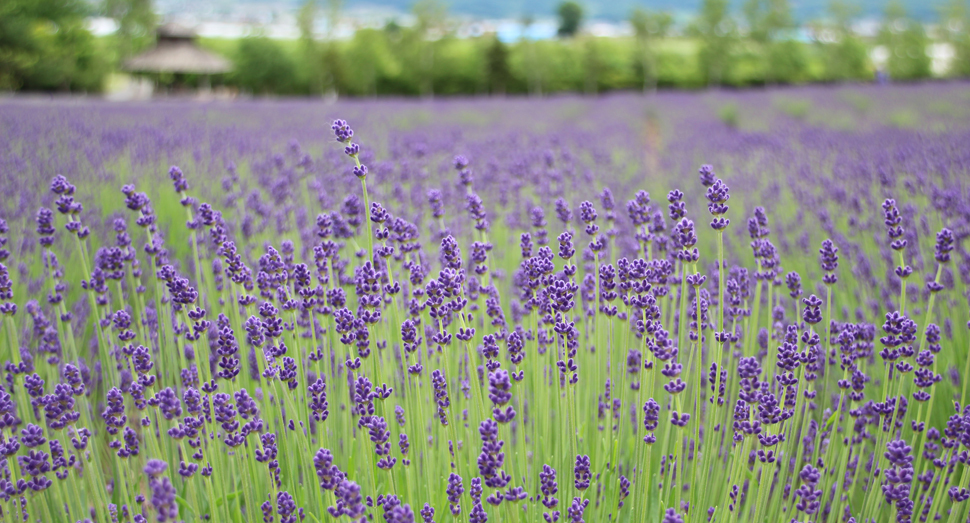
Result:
{"points": [[177, 52], [174, 31]]}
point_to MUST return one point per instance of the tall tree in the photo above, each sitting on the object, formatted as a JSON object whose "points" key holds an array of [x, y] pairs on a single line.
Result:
{"points": [[905, 41], [332, 65], [717, 32], [263, 67], [593, 65], [955, 25], [306, 19], [136, 24], [431, 18], [649, 28], [570, 18], [534, 73], [845, 55], [372, 55], [497, 64], [44, 45], [767, 19], [769, 26]]}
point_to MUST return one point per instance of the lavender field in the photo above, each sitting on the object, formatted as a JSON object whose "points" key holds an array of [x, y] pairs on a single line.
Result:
{"points": [[687, 307]]}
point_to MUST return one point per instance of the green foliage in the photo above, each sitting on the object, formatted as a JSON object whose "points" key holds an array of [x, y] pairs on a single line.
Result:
{"points": [[844, 55], [262, 67], [497, 62], [903, 118], [729, 115], [718, 34], [310, 48], [797, 108], [906, 41], [767, 19], [45, 46], [648, 28], [426, 58], [136, 25], [459, 67], [955, 29], [770, 24], [431, 16], [570, 17], [382, 62], [847, 59], [859, 102], [373, 61], [785, 62]]}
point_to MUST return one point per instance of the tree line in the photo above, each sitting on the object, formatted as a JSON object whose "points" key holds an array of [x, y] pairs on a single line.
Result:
{"points": [[45, 46]]}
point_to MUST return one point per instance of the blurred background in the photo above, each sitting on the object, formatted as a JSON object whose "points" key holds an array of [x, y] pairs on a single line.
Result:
{"points": [[134, 49]]}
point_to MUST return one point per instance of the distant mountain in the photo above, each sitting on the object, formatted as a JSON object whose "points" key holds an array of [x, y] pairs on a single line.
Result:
{"points": [[616, 10]]}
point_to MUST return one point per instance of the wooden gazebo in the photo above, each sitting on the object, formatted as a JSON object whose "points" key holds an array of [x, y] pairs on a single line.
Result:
{"points": [[176, 52]]}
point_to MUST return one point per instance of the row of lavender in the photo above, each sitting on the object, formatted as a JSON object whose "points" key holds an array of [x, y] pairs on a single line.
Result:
{"points": [[410, 362]]}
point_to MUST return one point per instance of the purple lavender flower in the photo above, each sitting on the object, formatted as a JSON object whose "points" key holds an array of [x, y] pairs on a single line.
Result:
{"points": [[563, 212], [549, 489], [581, 472], [717, 196], [178, 179], [478, 514], [576, 509], [379, 435], [944, 245], [163, 492], [899, 476], [286, 507], [328, 473], [348, 501], [491, 459], [893, 223], [499, 387], [829, 258], [671, 516], [427, 514], [812, 314], [441, 395], [455, 490], [707, 175]]}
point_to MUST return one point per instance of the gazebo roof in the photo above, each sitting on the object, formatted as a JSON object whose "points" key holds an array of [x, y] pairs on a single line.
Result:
{"points": [[173, 30], [177, 52]]}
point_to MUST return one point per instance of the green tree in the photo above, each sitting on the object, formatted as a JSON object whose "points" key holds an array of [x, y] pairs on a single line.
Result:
{"points": [[136, 25], [843, 53], [263, 67], [905, 41], [955, 25], [770, 24], [45, 46], [376, 69], [593, 65], [311, 60], [431, 18], [498, 72], [649, 28], [718, 34], [785, 62], [534, 66], [767, 20], [570, 18], [331, 64]]}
